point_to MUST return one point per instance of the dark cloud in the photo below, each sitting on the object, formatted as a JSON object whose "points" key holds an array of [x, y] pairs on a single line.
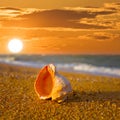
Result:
{"points": [[104, 35], [10, 8], [57, 18], [101, 37]]}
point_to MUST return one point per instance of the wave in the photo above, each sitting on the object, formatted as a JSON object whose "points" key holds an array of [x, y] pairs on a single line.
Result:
{"points": [[107, 71], [69, 67]]}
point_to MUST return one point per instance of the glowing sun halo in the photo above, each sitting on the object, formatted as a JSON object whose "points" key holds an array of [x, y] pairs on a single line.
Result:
{"points": [[15, 45]]}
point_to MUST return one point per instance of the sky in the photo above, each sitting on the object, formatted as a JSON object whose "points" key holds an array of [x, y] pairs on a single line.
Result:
{"points": [[61, 27]]}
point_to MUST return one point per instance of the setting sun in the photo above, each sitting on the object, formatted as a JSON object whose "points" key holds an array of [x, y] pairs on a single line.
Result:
{"points": [[15, 45]]}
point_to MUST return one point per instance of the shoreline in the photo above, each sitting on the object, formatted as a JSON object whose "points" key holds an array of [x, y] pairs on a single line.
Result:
{"points": [[65, 71]]}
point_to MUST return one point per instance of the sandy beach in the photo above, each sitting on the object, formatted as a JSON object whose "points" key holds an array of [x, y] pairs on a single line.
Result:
{"points": [[94, 97], [63, 51]]}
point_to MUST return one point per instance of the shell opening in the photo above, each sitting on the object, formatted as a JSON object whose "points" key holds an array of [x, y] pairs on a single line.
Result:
{"points": [[44, 82]]}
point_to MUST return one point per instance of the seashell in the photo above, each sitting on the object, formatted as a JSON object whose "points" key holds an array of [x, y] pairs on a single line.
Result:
{"points": [[50, 84]]}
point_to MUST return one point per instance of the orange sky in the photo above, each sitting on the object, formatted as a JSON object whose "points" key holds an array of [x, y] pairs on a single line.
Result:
{"points": [[61, 27]]}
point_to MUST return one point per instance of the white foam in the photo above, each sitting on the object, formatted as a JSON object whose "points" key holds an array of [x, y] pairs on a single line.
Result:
{"points": [[97, 70]]}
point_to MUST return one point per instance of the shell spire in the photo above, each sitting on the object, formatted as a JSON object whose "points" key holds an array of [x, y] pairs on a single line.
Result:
{"points": [[50, 84]]}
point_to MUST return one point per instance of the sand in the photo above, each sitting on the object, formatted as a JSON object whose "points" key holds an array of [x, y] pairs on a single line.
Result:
{"points": [[93, 98]]}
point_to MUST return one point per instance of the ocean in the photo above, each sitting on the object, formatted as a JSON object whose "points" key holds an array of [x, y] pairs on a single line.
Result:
{"points": [[107, 65]]}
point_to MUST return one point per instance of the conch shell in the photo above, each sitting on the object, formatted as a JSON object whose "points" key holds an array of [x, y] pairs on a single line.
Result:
{"points": [[50, 84]]}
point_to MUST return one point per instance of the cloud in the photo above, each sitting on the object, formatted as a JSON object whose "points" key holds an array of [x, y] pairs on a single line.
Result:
{"points": [[68, 18], [101, 36], [104, 36], [107, 20], [6, 12], [9, 13], [57, 18], [10, 8], [113, 6]]}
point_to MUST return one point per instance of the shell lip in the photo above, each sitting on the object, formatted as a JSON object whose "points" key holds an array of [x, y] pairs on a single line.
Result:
{"points": [[52, 67]]}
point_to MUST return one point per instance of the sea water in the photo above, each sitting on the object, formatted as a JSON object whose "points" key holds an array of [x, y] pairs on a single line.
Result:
{"points": [[108, 65]]}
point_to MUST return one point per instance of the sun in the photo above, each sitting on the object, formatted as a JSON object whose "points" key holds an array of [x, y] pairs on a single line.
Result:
{"points": [[15, 45]]}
